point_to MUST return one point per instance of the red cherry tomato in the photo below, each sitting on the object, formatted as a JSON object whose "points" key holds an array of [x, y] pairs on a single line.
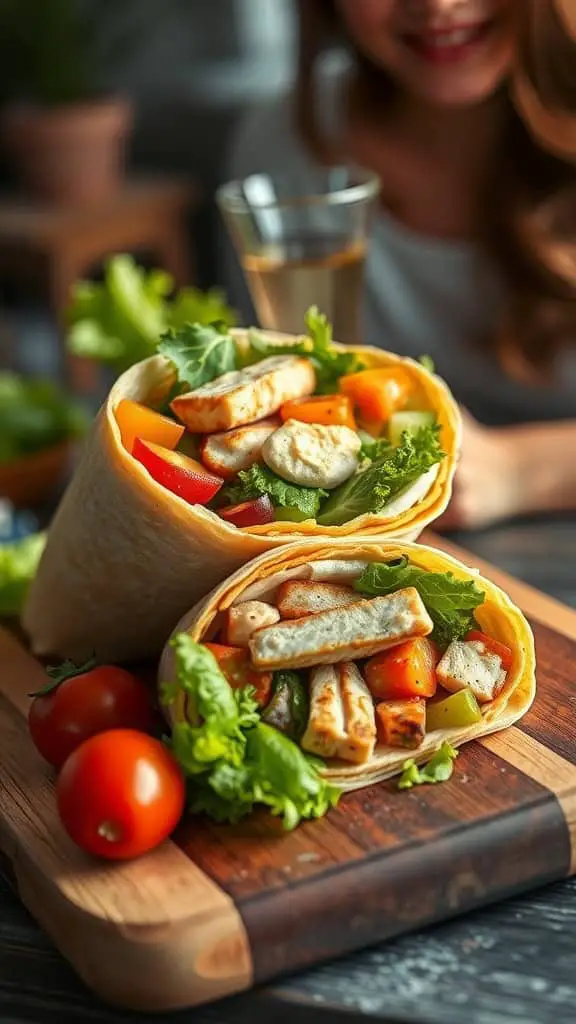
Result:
{"points": [[177, 472], [102, 698], [120, 794], [257, 512]]}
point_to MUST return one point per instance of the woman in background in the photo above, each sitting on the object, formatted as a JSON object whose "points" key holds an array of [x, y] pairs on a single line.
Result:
{"points": [[466, 109]]}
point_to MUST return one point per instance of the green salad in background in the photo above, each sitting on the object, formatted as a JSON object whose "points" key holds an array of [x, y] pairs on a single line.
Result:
{"points": [[35, 415], [119, 321]]}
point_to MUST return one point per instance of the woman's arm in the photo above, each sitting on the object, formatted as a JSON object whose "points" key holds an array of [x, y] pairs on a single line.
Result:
{"points": [[510, 471]]}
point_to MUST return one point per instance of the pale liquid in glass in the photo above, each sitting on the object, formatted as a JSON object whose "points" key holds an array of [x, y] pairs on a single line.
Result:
{"points": [[322, 271]]}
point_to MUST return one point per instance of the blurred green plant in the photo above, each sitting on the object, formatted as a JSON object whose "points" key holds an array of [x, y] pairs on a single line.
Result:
{"points": [[57, 52], [34, 415], [120, 320], [18, 565]]}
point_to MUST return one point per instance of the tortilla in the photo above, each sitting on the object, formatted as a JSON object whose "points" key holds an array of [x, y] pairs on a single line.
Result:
{"points": [[125, 557], [498, 617]]}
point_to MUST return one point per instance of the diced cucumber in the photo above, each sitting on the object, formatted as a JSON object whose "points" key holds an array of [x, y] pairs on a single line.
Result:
{"points": [[454, 712], [407, 421], [290, 515]]}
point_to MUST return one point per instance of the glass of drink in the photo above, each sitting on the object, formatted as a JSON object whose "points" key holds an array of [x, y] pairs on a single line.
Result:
{"points": [[301, 240]]}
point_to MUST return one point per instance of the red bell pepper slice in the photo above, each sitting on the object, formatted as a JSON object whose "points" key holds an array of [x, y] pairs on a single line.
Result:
{"points": [[177, 472], [257, 512]]}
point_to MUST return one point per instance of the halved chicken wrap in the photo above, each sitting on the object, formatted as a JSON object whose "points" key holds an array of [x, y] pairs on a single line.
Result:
{"points": [[222, 447], [372, 657]]}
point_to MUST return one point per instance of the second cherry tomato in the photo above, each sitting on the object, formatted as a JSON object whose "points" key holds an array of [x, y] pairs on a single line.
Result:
{"points": [[120, 794], [104, 697]]}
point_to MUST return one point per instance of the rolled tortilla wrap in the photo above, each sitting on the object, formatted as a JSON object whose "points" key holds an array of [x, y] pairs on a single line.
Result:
{"points": [[125, 557], [343, 561]]}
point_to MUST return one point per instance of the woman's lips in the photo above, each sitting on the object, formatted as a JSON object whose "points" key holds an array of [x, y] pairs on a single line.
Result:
{"points": [[449, 45]]}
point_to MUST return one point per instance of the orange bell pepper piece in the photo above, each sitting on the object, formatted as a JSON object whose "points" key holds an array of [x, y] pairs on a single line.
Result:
{"points": [[137, 420], [329, 410], [405, 671], [401, 723], [235, 665], [376, 394]]}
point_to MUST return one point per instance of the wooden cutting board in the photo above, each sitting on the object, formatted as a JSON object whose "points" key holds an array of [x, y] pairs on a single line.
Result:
{"points": [[220, 908]]}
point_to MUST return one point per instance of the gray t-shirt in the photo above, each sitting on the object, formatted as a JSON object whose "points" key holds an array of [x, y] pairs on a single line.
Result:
{"points": [[422, 295]]}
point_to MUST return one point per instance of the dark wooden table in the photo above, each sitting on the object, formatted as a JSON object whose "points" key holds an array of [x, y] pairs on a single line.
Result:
{"points": [[509, 964]]}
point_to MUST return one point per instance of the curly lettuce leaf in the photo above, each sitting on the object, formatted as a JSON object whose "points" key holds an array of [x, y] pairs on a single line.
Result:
{"points": [[450, 602], [18, 565], [439, 768], [216, 713], [199, 354], [192, 306], [120, 320], [284, 779], [329, 363], [233, 760], [375, 485], [258, 480]]}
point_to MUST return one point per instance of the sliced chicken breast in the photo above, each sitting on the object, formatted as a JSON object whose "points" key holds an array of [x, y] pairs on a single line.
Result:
{"points": [[245, 396], [342, 720], [243, 620], [468, 664], [312, 455], [337, 570], [229, 451], [295, 600], [356, 631]]}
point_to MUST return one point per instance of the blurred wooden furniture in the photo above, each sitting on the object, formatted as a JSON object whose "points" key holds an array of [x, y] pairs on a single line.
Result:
{"points": [[52, 247]]}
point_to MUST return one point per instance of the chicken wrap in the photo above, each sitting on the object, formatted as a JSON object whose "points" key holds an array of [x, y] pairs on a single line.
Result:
{"points": [[371, 656], [223, 446]]}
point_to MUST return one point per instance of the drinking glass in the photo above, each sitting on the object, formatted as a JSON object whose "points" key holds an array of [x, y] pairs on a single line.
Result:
{"points": [[302, 240]]}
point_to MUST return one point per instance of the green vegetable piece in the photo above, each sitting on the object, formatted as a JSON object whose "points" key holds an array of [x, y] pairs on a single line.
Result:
{"points": [[375, 448], [258, 480], [438, 769], [216, 713], [290, 515], [328, 361], [120, 320], [409, 422], [427, 362], [233, 760], [199, 354], [287, 709], [454, 712], [373, 487], [284, 778], [191, 306], [18, 565], [450, 602]]}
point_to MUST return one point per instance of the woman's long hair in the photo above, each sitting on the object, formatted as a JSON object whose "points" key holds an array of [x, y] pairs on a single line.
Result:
{"points": [[530, 220]]}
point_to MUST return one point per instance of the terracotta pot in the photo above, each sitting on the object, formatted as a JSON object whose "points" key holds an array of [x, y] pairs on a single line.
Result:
{"points": [[69, 155], [30, 480]]}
